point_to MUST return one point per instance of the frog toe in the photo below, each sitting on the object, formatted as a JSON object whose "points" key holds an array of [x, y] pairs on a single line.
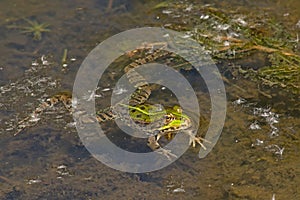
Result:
{"points": [[167, 153], [196, 140]]}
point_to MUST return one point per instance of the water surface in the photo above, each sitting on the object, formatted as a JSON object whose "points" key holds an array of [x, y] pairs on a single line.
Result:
{"points": [[256, 157]]}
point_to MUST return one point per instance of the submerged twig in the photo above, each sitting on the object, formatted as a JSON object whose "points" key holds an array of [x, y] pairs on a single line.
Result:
{"points": [[109, 5]]}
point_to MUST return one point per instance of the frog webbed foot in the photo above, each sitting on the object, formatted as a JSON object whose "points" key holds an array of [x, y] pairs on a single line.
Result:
{"points": [[26, 122], [166, 152], [196, 140], [155, 146]]}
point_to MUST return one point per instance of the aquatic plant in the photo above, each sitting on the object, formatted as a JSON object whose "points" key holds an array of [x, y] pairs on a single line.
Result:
{"points": [[229, 35], [35, 28]]}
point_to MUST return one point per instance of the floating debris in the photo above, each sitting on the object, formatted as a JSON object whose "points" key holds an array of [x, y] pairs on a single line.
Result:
{"points": [[62, 167], [258, 142], [275, 149], [44, 60], [298, 24], [166, 11], [273, 197], [178, 190], [239, 101], [119, 90], [270, 117], [186, 36], [62, 171], [241, 21], [226, 43], [222, 27], [254, 126], [92, 96], [189, 8], [34, 118], [71, 125], [105, 89], [34, 63], [33, 181], [204, 17], [274, 132], [74, 102]]}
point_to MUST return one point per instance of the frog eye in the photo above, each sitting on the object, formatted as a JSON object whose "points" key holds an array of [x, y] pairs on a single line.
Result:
{"points": [[169, 118], [177, 109]]}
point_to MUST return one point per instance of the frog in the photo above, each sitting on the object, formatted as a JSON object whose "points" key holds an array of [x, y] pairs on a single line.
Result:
{"points": [[156, 121], [160, 121]]}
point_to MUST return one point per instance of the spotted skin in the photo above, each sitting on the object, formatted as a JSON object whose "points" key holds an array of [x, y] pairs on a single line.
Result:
{"points": [[170, 122]]}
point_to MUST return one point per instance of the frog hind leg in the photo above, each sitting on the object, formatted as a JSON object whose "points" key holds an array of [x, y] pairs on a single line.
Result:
{"points": [[105, 115], [140, 96], [34, 117], [143, 89]]}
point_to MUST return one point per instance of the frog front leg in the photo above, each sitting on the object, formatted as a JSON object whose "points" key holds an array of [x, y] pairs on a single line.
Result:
{"points": [[194, 140], [155, 146]]}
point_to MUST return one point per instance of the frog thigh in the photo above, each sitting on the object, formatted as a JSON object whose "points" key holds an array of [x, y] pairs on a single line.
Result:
{"points": [[152, 143]]}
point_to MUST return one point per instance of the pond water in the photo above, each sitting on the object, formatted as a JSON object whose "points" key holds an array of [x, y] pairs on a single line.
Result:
{"points": [[256, 156]]}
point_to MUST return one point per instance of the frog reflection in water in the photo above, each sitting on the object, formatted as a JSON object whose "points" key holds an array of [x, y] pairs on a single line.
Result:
{"points": [[158, 122]]}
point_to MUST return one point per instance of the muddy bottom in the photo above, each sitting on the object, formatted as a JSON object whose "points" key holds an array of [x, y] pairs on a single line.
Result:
{"points": [[256, 156]]}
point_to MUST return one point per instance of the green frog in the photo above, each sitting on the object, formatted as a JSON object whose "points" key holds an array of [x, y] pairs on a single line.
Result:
{"points": [[158, 121], [154, 120]]}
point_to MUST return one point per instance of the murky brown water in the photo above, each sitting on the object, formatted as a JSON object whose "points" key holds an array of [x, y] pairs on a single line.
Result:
{"points": [[256, 157]]}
